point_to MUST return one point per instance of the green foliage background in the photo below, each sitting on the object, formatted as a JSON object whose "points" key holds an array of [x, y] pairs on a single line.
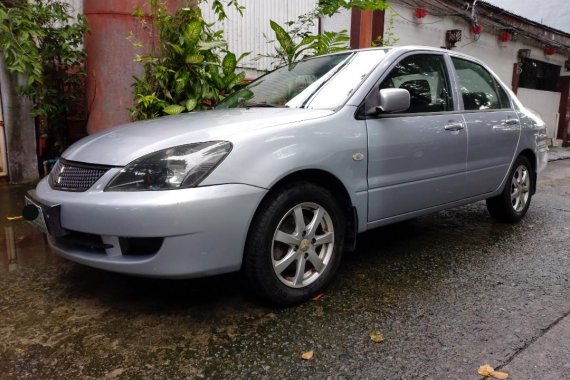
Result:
{"points": [[40, 38], [186, 72]]}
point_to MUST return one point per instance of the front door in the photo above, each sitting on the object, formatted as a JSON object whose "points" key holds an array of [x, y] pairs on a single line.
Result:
{"points": [[416, 158]]}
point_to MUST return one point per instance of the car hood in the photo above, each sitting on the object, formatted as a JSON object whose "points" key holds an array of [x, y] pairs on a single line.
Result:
{"points": [[121, 145]]}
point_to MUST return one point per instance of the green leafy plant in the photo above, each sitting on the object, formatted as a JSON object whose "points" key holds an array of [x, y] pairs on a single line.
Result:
{"points": [[186, 71], [389, 38], [299, 42], [41, 40]]}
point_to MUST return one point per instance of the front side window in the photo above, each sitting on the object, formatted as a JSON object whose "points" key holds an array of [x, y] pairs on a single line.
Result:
{"points": [[322, 83], [425, 78], [479, 89]]}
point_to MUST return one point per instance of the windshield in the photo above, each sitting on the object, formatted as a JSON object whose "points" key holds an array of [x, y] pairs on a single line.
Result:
{"points": [[322, 83]]}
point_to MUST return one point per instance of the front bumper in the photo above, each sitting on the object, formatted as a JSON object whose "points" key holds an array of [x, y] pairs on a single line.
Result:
{"points": [[202, 230]]}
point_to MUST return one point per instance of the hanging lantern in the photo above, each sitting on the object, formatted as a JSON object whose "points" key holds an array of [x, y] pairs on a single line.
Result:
{"points": [[505, 36], [549, 50], [421, 13], [476, 29]]}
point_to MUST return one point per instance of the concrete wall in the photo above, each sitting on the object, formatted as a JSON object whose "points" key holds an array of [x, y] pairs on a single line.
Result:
{"points": [[546, 104], [500, 57]]}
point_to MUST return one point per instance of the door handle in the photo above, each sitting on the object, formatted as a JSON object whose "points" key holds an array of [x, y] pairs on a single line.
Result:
{"points": [[454, 127], [511, 122]]}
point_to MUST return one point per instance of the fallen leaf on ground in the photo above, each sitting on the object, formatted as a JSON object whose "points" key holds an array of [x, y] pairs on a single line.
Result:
{"points": [[318, 297], [488, 371], [115, 373], [376, 336], [307, 355]]}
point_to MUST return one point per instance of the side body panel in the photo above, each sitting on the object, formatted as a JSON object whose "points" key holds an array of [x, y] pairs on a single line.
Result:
{"points": [[493, 140], [264, 157], [414, 163]]}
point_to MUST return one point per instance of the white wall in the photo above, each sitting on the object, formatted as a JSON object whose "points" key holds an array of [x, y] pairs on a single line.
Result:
{"points": [[431, 32], [338, 22], [545, 103], [499, 58]]}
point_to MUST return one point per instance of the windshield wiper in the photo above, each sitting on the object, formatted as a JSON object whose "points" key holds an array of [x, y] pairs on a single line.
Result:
{"points": [[261, 105]]}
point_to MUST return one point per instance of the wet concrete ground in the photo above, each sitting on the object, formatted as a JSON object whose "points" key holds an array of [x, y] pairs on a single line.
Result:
{"points": [[449, 292]]}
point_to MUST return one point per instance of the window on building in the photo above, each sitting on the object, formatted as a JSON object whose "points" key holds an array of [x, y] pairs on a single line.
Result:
{"points": [[539, 75]]}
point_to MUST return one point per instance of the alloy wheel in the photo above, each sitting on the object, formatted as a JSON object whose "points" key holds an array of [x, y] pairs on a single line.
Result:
{"points": [[302, 245]]}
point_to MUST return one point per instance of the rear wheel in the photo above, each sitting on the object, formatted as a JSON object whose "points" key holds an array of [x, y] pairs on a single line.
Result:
{"points": [[295, 244], [512, 204]]}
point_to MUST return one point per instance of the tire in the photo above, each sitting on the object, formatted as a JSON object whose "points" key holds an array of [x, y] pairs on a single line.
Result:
{"points": [[512, 204], [294, 244]]}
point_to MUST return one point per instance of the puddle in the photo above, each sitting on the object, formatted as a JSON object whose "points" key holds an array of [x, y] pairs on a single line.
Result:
{"points": [[23, 246]]}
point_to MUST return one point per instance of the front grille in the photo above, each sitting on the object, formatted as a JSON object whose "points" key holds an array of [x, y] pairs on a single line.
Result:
{"points": [[75, 176]]}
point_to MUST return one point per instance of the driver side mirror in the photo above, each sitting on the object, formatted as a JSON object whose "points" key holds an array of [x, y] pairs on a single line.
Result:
{"points": [[393, 100]]}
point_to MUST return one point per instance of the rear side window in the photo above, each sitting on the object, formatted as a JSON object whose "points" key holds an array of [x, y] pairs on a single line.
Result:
{"points": [[479, 89], [425, 78]]}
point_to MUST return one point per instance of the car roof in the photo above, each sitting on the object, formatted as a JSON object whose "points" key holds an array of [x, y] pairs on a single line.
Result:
{"points": [[412, 48], [396, 51]]}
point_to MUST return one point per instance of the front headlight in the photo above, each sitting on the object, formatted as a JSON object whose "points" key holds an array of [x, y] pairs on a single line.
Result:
{"points": [[173, 168]]}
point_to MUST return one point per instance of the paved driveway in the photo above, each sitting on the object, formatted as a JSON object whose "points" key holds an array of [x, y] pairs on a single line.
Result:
{"points": [[449, 292]]}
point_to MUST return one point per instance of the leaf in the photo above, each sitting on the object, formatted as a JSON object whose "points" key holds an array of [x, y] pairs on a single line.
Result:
{"points": [[307, 355], [177, 48], [115, 373], [243, 55], [318, 297], [488, 371], [284, 39], [234, 79], [192, 32], [210, 45], [376, 336], [173, 109], [191, 104], [194, 59], [229, 63]]}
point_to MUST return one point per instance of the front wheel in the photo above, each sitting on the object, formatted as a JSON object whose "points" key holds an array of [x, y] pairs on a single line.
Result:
{"points": [[295, 244], [512, 204]]}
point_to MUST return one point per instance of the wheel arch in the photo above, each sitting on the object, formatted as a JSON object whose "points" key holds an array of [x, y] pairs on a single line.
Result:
{"points": [[330, 182], [529, 154]]}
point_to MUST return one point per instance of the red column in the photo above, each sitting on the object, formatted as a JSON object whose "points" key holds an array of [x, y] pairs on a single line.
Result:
{"points": [[365, 27], [110, 59]]}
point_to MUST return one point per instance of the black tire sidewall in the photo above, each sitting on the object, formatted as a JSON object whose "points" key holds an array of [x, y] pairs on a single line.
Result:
{"points": [[501, 207], [258, 256]]}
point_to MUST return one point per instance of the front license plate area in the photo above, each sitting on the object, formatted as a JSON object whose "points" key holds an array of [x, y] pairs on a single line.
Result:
{"points": [[47, 219], [39, 222]]}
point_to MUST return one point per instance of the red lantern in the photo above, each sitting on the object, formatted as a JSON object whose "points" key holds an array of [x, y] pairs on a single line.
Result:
{"points": [[421, 12], [505, 36], [549, 50], [477, 29]]}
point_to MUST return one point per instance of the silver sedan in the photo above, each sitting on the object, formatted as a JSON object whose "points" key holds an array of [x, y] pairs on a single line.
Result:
{"points": [[279, 179]]}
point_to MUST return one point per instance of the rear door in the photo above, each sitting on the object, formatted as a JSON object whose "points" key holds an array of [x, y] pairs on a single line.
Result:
{"points": [[416, 158], [492, 126]]}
